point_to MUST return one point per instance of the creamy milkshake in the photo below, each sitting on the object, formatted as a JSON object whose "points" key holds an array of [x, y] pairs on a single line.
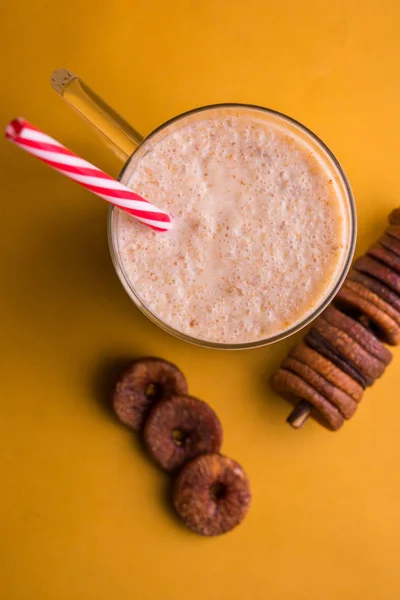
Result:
{"points": [[261, 226]]}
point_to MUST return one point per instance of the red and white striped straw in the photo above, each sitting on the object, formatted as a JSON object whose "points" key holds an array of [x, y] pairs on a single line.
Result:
{"points": [[34, 141]]}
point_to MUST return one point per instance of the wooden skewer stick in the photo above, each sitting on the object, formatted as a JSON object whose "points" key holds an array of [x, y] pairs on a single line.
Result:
{"points": [[299, 414]]}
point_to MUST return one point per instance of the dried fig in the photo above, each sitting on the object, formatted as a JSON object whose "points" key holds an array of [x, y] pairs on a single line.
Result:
{"points": [[355, 298], [328, 370], [292, 388], [374, 268], [377, 287], [336, 396], [317, 342], [181, 428], [394, 217], [391, 244], [385, 256], [144, 383], [212, 494], [357, 332], [393, 231], [367, 365]]}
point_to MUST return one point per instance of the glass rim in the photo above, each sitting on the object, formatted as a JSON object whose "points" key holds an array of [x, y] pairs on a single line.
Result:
{"points": [[299, 324]]}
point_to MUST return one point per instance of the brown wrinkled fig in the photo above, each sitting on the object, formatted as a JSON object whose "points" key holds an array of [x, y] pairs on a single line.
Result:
{"points": [[343, 352], [328, 370], [336, 396], [145, 382], [391, 244], [212, 494], [393, 232], [357, 332], [385, 274], [394, 217], [317, 342], [356, 298], [385, 256], [292, 388], [370, 367], [377, 287], [181, 428]]}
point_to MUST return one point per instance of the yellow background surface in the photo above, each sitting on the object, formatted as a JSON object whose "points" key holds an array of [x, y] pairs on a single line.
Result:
{"points": [[84, 514]]}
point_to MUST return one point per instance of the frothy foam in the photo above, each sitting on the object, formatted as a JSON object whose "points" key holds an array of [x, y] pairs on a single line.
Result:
{"points": [[259, 229]]}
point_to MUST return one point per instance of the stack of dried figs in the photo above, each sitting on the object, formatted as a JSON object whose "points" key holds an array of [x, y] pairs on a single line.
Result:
{"points": [[184, 436], [343, 353]]}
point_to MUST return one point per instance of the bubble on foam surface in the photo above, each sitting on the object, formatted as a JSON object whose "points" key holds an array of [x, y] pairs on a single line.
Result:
{"points": [[258, 232]]}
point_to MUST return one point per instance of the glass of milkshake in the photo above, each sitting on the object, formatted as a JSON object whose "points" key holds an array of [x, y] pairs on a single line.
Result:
{"points": [[264, 223]]}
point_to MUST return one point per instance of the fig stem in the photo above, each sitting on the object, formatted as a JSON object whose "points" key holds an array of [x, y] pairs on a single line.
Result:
{"points": [[299, 414]]}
